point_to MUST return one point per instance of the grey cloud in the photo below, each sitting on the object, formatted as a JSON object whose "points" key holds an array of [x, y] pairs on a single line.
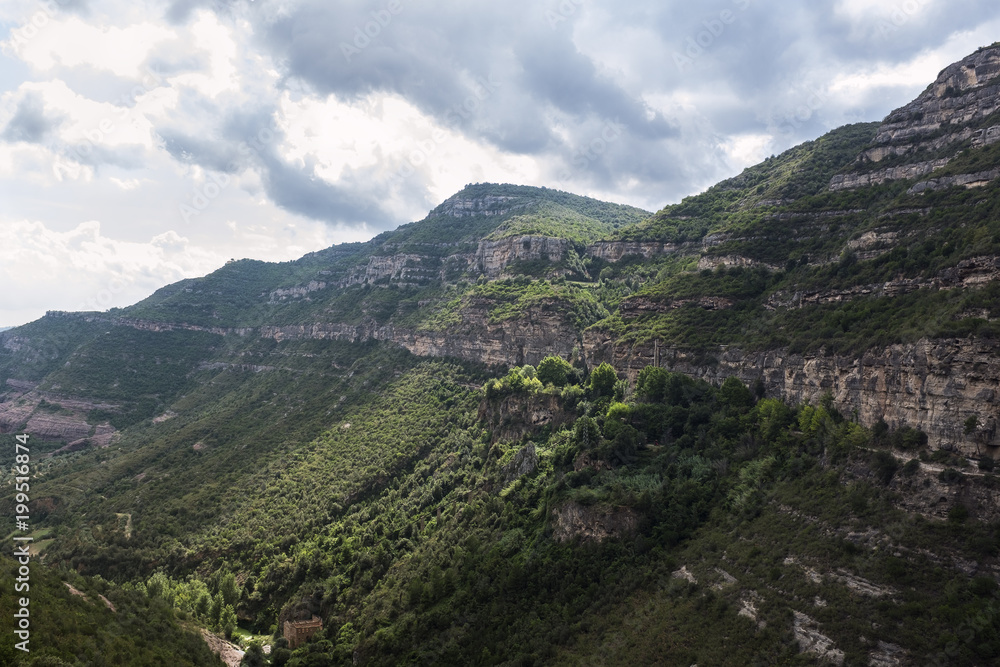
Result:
{"points": [[248, 139], [349, 202], [764, 72], [30, 122]]}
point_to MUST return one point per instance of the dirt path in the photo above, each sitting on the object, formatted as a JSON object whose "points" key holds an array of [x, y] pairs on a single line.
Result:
{"points": [[230, 653]]}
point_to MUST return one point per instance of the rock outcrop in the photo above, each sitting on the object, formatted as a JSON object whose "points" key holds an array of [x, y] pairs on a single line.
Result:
{"points": [[977, 180], [614, 251], [541, 330], [951, 113], [513, 417], [593, 523], [296, 292], [933, 385], [461, 207], [493, 256], [49, 416], [814, 643], [905, 172], [523, 463]]}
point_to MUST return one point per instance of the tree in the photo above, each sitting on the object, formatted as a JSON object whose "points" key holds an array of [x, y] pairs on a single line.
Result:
{"points": [[280, 656], [227, 621], [554, 370], [202, 605], [215, 611], [651, 384], [603, 379], [734, 393], [587, 433], [254, 656], [230, 591]]}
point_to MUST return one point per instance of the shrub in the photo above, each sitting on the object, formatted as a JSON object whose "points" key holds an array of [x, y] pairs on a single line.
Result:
{"points": [[554, 370], [908, 438], [950, 476], [884, 465], [735, 394]]}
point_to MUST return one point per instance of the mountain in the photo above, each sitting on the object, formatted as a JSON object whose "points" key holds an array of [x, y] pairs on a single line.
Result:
{"points": [[755, 427]]}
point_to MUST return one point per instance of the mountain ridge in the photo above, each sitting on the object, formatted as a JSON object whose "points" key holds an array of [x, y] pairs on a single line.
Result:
{"points": [[755, 427]]}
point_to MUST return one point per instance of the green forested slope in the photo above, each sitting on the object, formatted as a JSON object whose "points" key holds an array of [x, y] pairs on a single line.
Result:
{"points": [[273, 461]]}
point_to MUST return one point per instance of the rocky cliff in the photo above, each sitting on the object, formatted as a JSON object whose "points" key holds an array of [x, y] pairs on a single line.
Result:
{"points": [[51, 416], [956, 111], [932, 385], [528, 339]]}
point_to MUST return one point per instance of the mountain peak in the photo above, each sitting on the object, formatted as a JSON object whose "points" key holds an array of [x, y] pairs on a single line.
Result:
{"points": [[960, 110], [487, 199], [963, 93]]}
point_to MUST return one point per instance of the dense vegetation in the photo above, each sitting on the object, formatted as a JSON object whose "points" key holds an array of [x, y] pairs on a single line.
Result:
{"points": [[69, 629], [436, 511], [407, 529]]}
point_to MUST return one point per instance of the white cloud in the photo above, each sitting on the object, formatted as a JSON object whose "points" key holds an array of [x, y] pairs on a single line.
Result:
{"points": [[82, 269], [208, 35], [390, 134], [747, 149], [898, 11], [347, 129], [130, 184], [69, 41]]}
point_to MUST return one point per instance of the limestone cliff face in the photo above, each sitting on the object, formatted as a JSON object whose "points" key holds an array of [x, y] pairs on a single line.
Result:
{"points": [[976, 180], [493, 257], [949, 113], [614, 251], [296, 292], [597, 523], [636, 306], [972, 272], [513, 417], [541, 331], [916, 170], [931, 385], [461, 207], [402, 268]]}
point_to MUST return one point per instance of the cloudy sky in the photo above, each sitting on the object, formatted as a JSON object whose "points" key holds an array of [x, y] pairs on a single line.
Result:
{"points": [[144, 141]]}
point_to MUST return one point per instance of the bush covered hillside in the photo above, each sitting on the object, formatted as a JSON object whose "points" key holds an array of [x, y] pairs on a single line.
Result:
{"points": [[756, 427], [557, 522]]}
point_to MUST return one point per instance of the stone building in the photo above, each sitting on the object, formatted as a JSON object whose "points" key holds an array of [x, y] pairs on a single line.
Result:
{"points": [[298, 632]]}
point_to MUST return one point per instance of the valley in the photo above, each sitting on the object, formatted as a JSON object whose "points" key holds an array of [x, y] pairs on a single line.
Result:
{"points": [[756, 427]]}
